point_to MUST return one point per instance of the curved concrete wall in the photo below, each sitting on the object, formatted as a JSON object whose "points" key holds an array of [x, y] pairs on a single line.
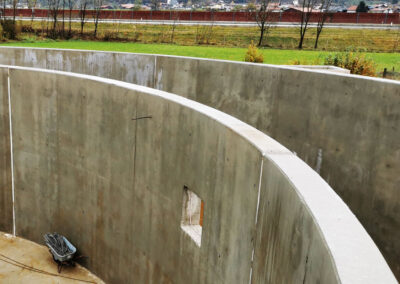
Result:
{"points": [[85, 166], [352, 121]]}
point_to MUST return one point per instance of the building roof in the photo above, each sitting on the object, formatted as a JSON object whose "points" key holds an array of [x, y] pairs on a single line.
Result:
{"points": [[128, 6]]}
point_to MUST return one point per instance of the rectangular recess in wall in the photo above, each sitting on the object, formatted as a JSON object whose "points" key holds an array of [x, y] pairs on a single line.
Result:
{"points": [[192, 215]]}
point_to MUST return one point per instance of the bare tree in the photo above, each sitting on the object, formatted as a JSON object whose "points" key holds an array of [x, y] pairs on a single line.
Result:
{"points": [[3, 10], [263, 19], [3, 14], [175, 18], [82, 13], [204, 32], [54, 8], [396, 42], [9, 27], [14, 6], [306, 12], [70, 4], [63, 18], [47, 21], [32, 6], [96, 14], [322, 16]]}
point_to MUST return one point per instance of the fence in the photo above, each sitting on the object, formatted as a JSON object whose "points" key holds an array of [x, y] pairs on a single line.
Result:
{"points": [[291, 17]]}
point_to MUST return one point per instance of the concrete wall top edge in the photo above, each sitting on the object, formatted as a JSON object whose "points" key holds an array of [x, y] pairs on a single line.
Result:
{"points": [[264, 143], [287, 67], [352, 249]]}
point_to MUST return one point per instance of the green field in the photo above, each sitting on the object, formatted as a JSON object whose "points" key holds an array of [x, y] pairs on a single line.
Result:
{"points": [[331, 39], [271, 56]]}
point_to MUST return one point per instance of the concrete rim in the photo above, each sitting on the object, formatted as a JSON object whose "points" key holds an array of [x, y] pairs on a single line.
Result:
{"points": [[328, 210]]}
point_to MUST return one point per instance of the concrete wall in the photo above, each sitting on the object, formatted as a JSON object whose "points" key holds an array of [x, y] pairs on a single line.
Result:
{"points": [[87, 167], [351, 121], [6, 220]]}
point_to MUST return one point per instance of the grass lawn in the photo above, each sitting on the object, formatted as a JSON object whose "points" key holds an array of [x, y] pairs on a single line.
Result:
{"points": [[272, 56]]}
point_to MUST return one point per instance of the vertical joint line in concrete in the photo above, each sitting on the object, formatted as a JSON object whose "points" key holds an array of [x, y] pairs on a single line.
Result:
{"points": [[251, 265], [155, 72], [135, 141], [11, 148], [259, 189], [256, 218]]}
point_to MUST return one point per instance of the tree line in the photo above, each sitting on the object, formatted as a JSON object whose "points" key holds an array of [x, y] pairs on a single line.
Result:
{"points": [[60, 17], [263, 17], [60, 13]]}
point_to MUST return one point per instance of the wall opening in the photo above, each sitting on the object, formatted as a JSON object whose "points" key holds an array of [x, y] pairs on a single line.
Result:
{"points": [[192, 215]]}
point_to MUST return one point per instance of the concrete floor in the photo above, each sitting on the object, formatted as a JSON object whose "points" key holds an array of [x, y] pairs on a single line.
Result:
{"points": [[14, 249]]}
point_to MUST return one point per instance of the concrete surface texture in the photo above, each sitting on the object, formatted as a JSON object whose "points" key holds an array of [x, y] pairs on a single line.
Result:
{"points": [[107, 164], [352, 121], [6, 202], [22, 261]]}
